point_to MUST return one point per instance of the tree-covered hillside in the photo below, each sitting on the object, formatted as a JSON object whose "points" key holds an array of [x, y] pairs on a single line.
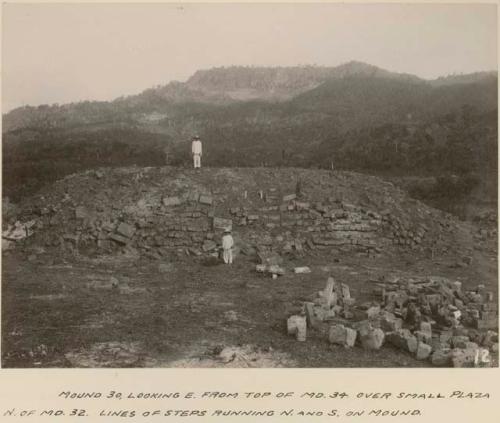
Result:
{"points": [[354, 117]]}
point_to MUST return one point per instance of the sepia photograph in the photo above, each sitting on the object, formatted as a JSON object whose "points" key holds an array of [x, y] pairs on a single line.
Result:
{"points": [[237, 185]]}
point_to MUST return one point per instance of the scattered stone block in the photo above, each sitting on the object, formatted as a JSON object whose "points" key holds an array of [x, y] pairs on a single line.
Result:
{"points": [[261, 268], [206, 199], [119, 238], [276, 270], [193, 251], [171, 201], [193, 197], [303, 269], [312, 320], [341, 335], [299, 205], [298, 245], [463, 357], [222, 224], [292, 324], [403, 339], [426, 327], [389, 322], [126, 230], [459, 341], [371, 338], [373, 312], [328, 292], [423, 351], [484, 324], [348, 302], [423, 336], [301, 333], [209, 245], [441, 358], [445, 336], [290, 197], [346, 293]]}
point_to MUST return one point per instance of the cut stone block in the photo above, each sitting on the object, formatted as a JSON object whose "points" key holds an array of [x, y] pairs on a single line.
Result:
{"points": [[459, 341], [126, 230], [223, 224], [372, 312], [328, 292], [441, 358], [426, 327], [423, 337], [206, 199], [193, 197], [171, 201], [346, 293], [302, 205], [288, 198], [301, 333], [209, 245], [423, 351], [312, 319], [390, 323], [341, 335], [371, 338], [292, 324], [303, 269], [403, 339], [276, 270], [463, 357], [119, 238], [348, 302]]}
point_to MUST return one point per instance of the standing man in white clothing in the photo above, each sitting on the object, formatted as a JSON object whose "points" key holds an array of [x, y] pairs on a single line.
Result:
{"points": [[227, 247], [196, 151]]}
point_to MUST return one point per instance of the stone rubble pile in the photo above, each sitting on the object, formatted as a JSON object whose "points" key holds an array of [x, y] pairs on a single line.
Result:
{"points": [[430, 318], [155, 211]]}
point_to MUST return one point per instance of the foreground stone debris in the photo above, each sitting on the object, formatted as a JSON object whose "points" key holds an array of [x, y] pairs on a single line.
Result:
{"points": [[296, 325], [416, 316], [342, 335]]}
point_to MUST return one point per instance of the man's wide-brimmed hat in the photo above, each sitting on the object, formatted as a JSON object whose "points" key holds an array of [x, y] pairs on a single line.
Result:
{"points": [[196, 137]]}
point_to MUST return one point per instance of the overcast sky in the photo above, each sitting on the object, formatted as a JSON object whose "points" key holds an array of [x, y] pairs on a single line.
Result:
{"points": [[62, 53]]}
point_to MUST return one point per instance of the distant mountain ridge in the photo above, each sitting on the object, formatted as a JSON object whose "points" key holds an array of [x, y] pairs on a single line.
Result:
{"points": [[226, 86], [280, 83], [469, 78]]}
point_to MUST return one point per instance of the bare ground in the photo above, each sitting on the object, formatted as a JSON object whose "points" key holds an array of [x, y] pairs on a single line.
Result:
{"points": [[121, 312]]}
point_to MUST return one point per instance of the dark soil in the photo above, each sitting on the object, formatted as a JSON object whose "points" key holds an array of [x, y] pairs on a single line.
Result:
{"points": [[53, 310]]}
